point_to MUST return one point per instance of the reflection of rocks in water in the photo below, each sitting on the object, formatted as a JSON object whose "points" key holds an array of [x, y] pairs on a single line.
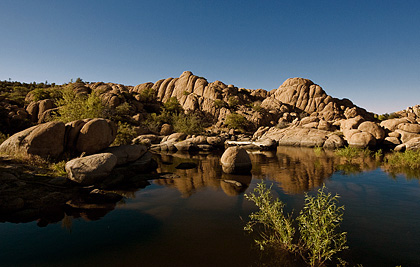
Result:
{"points": [[206, 174], [301, 169], [234, 185], [296, 169], [25, 197]]}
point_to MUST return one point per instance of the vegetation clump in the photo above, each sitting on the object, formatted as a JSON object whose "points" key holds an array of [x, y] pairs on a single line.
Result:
{"points": [[316, 239], [237, 121], [77, 107], [408, 159]]}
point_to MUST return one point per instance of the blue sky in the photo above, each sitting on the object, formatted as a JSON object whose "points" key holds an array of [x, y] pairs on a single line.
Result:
{"points": [[367, 51]]}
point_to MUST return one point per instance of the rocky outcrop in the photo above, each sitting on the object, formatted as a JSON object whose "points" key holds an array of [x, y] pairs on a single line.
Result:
{"points": [[300, 136], [95, 135], [51, 139], [44, 140]]}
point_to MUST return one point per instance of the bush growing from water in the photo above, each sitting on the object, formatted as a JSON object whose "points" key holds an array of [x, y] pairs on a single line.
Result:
{"points": [[316, 238], [408, 159], [277, 228], [318, 224]]}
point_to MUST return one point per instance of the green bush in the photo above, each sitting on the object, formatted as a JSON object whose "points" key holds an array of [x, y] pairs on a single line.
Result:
{"points": [[349, 153], [317, 239], [236, 121], [408, 159], [173, 106], [148, 95], [277, 228], [218, 103], [77, 107], [125, 134], [233, 102], [187, 123], [318, 224]]}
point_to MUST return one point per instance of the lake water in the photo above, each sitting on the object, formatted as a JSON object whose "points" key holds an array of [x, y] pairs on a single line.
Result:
{"points": [[195, 217]]}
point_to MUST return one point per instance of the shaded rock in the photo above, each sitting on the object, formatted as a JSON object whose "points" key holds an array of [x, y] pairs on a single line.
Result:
{"points": [[372, 128], [352, 123], [96, 135], [166, 129], [141, 139], [90, 169], [186, 145], [333, 142], [391, 141], [72, 133], [236, 160], [126, 153], [361, 140], [413, 144], [176, 137], [392, 124], [44, 140], [409, 127]]}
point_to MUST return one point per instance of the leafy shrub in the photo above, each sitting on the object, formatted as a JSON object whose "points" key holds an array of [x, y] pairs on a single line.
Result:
{"points": [[187, 123], [58, 168], [349, 153], [148, 95], [49, 93], [237, 121], [173, 106], [125, 134], [233, 102], [76, 107], [318, 238], [277, 228], [257, 108], [318, 223], [408, 159], [218, 103]]}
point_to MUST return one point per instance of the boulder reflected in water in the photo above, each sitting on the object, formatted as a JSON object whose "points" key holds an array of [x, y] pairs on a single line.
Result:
{"points": [[296, 170]]}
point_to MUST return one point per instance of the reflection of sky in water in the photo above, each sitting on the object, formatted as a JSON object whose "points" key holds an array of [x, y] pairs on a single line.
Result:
{"points": [[196, 219]]}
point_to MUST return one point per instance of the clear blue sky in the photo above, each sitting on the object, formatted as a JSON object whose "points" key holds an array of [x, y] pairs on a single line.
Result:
{"points": [[367, 51]]}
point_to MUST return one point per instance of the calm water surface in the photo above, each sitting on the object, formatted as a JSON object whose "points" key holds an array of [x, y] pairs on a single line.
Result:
{"points": [[195, 217]]}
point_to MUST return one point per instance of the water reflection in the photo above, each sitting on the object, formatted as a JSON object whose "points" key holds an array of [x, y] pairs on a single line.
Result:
{"points": [[296, 170]]}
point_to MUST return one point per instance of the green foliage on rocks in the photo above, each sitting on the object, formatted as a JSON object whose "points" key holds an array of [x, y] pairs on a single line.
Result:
{"points": [[316, 239], [237, 121], [187, 123], [218, 103], [125, 134], [173, 106], [148, 95], [77, 107]]}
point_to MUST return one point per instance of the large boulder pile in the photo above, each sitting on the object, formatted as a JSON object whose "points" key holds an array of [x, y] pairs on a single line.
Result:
{"points": [[404, 130], [51, 139]]}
